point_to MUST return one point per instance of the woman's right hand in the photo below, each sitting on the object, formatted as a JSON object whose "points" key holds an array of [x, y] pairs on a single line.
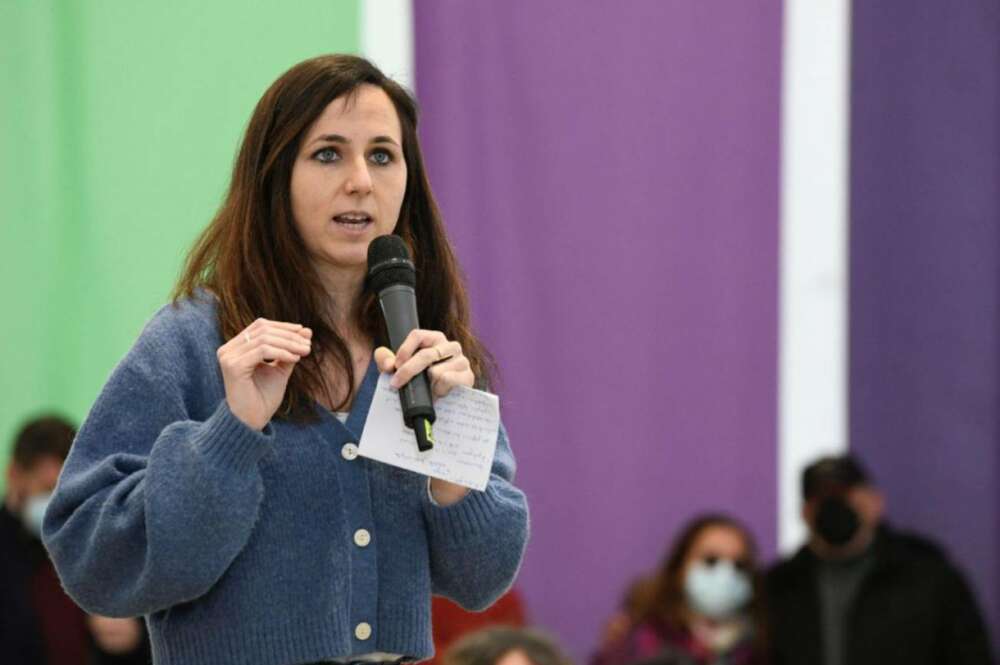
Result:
{"points": [[256, 365]]}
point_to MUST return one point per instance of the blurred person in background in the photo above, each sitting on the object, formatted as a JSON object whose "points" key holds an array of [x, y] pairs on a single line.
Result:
{"points": [[506, 645], [632, 606], [703, 607], [861, 593], [450, 621], [39, 623]]}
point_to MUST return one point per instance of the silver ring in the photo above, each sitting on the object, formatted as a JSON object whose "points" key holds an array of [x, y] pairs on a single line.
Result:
{"points": [[246, 336], [441, 357]]}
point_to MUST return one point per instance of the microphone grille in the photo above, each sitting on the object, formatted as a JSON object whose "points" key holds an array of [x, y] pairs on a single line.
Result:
{"points": [[389, 263]]}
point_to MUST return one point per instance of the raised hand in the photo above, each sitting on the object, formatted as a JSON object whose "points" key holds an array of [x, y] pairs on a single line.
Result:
{"points": [[256, 365]]}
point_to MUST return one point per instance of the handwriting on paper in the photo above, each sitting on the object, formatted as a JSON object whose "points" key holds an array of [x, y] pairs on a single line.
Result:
{"points": [[465, 435]]}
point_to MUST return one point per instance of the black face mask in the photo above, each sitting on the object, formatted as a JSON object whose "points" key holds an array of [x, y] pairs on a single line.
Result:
{"points": [[836, 522]]}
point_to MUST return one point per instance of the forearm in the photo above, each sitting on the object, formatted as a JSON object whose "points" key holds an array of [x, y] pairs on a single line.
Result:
{"points": [[477, 543], [131, 534]]}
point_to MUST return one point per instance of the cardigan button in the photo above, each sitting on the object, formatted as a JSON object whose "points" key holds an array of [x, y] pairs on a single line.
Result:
{"points": [[363, 631], [362, 538], [349, 451]]}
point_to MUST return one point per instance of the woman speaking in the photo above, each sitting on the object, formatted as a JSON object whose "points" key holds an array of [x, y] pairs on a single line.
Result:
{"points": [[215, 487]]}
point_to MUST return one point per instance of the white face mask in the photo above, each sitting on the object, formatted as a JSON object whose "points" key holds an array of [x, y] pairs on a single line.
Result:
{"points": [[717, 591], [34, 512]]}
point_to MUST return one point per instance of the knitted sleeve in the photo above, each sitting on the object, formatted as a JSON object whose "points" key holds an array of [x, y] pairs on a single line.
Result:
{"points": [[154, 503], [476, 545]]}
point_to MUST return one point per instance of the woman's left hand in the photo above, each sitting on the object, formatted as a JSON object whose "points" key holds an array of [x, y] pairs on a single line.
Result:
{"points": [[427, 350], [446, 368]]}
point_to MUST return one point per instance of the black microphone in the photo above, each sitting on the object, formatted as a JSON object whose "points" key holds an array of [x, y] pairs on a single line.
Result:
{"points": [[393, 278]]}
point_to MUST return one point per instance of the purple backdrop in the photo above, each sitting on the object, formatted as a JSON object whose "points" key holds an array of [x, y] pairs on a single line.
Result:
{"points": [[610, 179], [925, 270]]}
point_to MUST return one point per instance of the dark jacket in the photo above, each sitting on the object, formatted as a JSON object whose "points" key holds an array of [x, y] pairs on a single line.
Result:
{"points": [[913, 607], [39, 623], [20, 636]]}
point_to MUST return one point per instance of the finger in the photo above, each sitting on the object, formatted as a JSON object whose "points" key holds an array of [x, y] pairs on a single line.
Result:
{"points": [[446, 381], [262, 327], [262, 322], [385, 359], [265, 353], [458, 364], [295, 335], [423, 359], [446, 352], [294, 343], [297, 347], [258, 329], [234, 353], [415, 340], [415, 365], [450, 364], [237, 363]]}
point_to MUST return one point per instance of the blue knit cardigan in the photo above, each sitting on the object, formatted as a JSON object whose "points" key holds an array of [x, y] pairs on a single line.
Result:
{"points": [[241, 546]]}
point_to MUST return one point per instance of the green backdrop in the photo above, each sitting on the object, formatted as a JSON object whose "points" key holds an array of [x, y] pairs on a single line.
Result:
{"points": [[119, 122]]}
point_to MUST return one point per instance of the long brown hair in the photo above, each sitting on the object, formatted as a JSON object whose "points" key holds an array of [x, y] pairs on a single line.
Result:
{"points": [[663, 598], [252, 258]]}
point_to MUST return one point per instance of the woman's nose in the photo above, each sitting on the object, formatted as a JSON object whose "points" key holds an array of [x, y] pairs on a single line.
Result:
{"points": [[359, 179]]}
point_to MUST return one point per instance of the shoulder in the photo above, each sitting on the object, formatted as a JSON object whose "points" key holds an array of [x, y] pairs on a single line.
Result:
{"points": [[183, 326], [173, 363], [914, 548], [789, 582], [790, 570], [921, 560], [916, 543], [195, 315], [176, 348]]}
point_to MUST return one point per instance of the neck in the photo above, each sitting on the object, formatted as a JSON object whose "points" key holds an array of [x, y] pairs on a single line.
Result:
{"points": [[704, 622], [719, 635], [345, 289]]}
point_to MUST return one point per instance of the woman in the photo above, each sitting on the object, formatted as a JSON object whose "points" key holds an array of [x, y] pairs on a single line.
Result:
{"points": [[215, 487], [703, 607]]}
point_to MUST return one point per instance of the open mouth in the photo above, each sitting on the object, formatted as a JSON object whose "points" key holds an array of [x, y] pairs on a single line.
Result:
{"points": [[353, 220]]}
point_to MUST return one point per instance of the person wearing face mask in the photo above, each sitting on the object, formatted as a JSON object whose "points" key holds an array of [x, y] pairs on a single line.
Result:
{"points": [[703, 607], [39, 623], [860, 592]]}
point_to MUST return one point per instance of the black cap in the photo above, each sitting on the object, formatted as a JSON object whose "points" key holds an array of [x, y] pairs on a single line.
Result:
{"points": [[832, 474]]}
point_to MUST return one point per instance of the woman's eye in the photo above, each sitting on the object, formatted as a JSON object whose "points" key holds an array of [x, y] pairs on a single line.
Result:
{"points": [[381, 157], [326, 155]]}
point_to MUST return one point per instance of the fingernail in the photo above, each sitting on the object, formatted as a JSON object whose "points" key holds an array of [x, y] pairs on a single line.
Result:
{"points": [[394, 382]]}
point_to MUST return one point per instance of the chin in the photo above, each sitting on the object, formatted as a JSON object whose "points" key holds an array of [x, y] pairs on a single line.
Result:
{"points": [[353, 259]]}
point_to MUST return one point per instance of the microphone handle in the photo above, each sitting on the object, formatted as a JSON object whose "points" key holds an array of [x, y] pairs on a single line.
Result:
{"points": [[399, 309]]}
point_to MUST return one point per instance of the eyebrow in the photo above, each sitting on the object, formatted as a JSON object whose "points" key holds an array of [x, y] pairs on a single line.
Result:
{"points": [[337, 138]]}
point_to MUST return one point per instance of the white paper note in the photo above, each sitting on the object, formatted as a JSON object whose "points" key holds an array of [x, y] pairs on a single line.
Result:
{"points": [[465, 435]]}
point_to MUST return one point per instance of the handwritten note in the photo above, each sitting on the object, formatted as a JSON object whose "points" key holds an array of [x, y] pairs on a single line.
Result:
{"points": [[465, 435]]}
